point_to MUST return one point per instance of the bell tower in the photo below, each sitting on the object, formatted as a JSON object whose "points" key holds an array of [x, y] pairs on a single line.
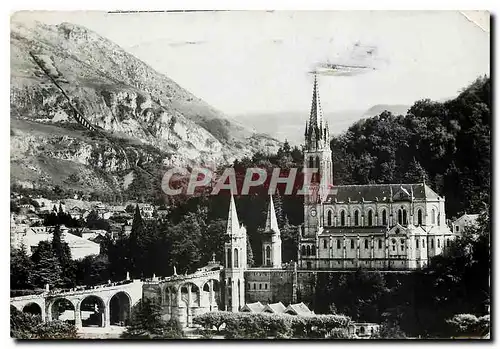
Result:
{"points": [[235, 255], [271, 239], [318, 156]]}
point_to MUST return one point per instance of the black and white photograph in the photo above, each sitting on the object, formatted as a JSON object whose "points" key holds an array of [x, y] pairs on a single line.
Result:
{"points": [[250, 175]]}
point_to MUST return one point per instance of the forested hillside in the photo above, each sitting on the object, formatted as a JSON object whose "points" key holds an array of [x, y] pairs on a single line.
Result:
{"points": [[447, 143]]}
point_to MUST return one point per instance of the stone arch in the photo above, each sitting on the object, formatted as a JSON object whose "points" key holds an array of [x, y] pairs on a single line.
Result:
{"points": [[211, 291], [120, 309], [190, 288], [268, 255], [384, 217], [228, 258], [342, 218], [92, 311], [33, 308], [433, 216], [370, 217], [236, 259], [419, 217], [356, 217], [329, 218], [63, 309]]}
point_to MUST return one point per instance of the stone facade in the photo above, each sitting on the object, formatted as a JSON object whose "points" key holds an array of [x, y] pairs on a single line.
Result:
{"points": [[374, 226]]}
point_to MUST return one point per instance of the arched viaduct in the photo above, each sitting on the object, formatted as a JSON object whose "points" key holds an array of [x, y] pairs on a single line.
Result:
{"points": [[98, 306]]}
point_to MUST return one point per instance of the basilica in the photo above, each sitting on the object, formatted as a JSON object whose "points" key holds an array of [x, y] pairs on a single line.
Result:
{"points": [[386, 227]]}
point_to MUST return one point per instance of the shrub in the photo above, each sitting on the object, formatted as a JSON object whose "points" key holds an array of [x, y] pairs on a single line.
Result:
{"points": [[279, 326], [28, 326]]}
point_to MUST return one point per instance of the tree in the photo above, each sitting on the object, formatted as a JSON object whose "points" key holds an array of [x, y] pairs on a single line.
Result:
{"points": [[62, 252], [390, 330], [47, 268], [250, 261], [147, 323], [93, 270], [20, 269]]}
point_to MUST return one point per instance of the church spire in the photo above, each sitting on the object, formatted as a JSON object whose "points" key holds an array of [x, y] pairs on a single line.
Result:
{"points": [[271, 221], [233, 225], [316, 117]]}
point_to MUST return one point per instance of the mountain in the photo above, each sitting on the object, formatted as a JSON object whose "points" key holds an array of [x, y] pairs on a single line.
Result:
{"points": [[395, 109], [86, 115], [290, 125]]}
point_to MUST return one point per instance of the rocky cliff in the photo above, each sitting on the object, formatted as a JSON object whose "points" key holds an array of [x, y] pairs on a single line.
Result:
{"points": [[143, 119]]}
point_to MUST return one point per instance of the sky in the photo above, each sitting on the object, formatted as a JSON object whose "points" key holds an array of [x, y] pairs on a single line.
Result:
{"points": [[244, 62]]}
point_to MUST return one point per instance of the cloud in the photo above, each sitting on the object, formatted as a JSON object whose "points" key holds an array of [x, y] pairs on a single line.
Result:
{"points": [[184, 43]]}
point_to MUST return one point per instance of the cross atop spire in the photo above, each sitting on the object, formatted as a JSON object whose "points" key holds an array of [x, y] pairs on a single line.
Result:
{"points": [[271, 221], [316, 116], [233, 224]]}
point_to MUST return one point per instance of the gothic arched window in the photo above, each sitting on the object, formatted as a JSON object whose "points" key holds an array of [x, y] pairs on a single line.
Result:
{"points": [[419, 217], [439, 243], [313, 250], [342, 218], [308, 250], [303, 250], [370, 217], [380, 243], [338, 244], [352, 243], [400, 216], [432, 243], [311, 162], [416, 241], [325, 244], [405, 217], [433, 216], [384, 217], [268, 255], [366, 243], [423, 243], [356, 218], [317, 162], [236, 264], [329, 219]]}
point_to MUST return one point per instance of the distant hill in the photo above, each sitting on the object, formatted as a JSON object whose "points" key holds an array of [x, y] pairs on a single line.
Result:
{"points": [[290, 125]]}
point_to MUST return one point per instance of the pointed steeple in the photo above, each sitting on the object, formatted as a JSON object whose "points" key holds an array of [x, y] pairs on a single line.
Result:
{"points": [[316, 117], [233, 225], [271, 221]]}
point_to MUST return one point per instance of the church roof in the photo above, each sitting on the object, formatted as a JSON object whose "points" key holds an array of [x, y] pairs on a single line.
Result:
{"points": [[316, 116], [380, 192], [271, 220], [233, 225]]}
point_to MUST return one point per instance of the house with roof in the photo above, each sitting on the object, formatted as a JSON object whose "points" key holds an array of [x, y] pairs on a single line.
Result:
{"points": [[299, 309], [274, 308], [256, 307], [466, 220]]}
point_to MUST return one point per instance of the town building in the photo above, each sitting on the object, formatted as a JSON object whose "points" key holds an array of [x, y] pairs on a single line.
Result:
{"points": [[32, 236], [464, 221]]}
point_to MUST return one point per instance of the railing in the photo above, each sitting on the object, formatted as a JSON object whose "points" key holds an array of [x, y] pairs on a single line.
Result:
{"points": [[55, 292]]}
